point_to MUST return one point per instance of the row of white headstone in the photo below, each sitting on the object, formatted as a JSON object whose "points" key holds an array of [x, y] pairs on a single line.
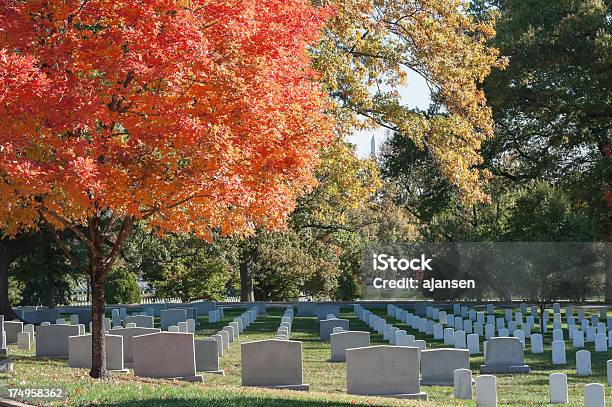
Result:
{"points": [[593, 392], [486, 389], [178, 354], [284, 330], [124, 345], [558, 346], [458, 338]]}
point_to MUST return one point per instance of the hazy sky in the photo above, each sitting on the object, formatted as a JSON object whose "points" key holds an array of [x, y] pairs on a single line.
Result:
{"points": [[415, 94]]}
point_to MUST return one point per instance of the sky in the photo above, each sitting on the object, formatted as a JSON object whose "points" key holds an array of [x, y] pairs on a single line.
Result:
{"points": [[414, 94]]}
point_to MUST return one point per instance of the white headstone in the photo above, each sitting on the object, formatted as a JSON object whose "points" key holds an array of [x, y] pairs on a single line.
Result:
{"points": [[272, 363], [583, 363], [79, 351], [459, 339], [578, 339], [590, 333], [504, 355], [462, 382], [174, 356], [207, 356], [29, 328], [326, 327], [473, 344], [558, 353], [601, 342], [557, 383], [594, 395], [128, 335], [384, 370], [449, 336], [23, 341], [537, 344], [341, 341], [438, 332], [438, 365], [520, 335], [500, 323], [489, 331], [486, 391]]}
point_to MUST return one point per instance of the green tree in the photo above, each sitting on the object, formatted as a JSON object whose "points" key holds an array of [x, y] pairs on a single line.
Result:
{"points": [[552, 105], [198, 278], [182, 265], [366, 54], [43, 276], [312, 253], [121, 287]]}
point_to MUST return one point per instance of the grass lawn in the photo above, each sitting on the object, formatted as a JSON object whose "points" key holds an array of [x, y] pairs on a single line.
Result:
{"points": [[327, 380]]}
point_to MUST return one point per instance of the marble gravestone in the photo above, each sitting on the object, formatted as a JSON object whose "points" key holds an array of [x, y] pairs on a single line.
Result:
{"points": [[344, 340], [52, 340], [128, 334], [504, 355], [174, 356], [207, 356], [79, 352], [172, 317], [272, 363], [390, 371], [327, 326], [438, 365]]}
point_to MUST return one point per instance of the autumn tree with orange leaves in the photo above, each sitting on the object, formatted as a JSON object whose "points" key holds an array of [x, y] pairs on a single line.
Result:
{"points": [[191, 115]]}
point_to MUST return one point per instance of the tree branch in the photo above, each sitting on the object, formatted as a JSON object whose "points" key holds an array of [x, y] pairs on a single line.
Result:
{"points": [[126, 228], [73, 260], [70, 226]]}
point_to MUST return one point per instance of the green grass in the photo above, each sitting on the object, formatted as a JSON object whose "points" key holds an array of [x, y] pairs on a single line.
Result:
{"points": [[327, 380]]}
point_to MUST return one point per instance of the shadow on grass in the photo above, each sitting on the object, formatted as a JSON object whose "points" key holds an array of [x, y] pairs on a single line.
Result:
{"points": [[237, 400]]}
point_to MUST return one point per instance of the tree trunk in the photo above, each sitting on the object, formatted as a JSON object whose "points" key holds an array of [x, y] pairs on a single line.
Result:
{"points": [[98, 347], [99, 266], [606, 151], [246, 280], [50, 281], [542, 309], [608, 265], [10, 250], [5, 305]]}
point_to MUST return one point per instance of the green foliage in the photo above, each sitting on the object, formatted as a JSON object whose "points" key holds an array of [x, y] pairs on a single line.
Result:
{"points": [[121, 287], [350, 285], [366, 54], [199, 279], [183, 266], [552, 104], [289, 262], [545, 213], [43, 277], [311, 255]]}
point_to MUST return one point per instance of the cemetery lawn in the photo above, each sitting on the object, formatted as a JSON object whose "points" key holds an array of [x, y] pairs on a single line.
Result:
{"points": [[327, 380]]}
